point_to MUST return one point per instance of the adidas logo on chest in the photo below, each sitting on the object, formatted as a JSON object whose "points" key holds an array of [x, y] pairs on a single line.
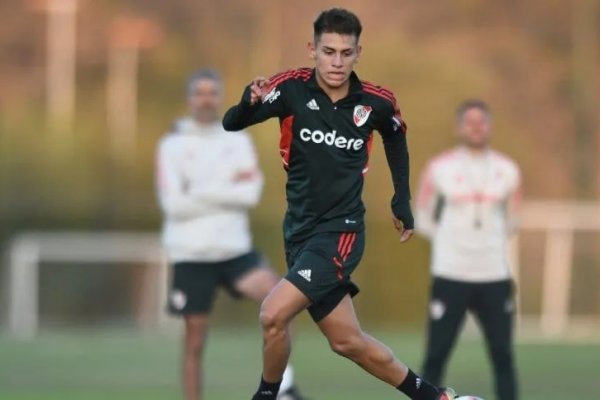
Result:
{"points": [[312, 105]]}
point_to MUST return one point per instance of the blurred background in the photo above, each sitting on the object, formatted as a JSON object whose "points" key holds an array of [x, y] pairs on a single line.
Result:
{"points": [[89, 87]]}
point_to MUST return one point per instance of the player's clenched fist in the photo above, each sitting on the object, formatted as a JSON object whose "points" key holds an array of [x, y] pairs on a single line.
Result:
{"points": [[258, 89]]}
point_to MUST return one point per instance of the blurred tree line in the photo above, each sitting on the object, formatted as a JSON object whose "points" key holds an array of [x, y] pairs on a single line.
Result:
{"points": [[535, 61]]}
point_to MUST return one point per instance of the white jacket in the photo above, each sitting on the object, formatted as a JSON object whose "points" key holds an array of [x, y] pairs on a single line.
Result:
{"points": [[207, 179], [465, 206]]}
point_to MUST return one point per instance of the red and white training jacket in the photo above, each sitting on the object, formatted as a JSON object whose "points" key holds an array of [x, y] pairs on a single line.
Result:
{"points": [[207, 179], [466, 206]]}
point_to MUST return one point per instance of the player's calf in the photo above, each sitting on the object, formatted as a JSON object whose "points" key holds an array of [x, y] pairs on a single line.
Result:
{"points": [[379, 360], [277, 344], [196, 326], [351, 346], [277, 311]]}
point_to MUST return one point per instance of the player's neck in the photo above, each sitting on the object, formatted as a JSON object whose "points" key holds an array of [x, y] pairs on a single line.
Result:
{"points": [[334, 93], [204, 121], [476, 151]]}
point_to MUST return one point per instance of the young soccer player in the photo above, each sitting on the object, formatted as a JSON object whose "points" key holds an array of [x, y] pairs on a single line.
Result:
{"points": [[207, 181], [466, 207], [327, 116]]}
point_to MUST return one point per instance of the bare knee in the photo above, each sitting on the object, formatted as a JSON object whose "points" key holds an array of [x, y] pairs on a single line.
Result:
{"points": [[282, 304], [195, 336], [349, 346], [272, 320], [257, 284]]}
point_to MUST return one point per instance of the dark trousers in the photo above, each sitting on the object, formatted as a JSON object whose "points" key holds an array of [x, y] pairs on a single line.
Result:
{"points": [[493, 307]]}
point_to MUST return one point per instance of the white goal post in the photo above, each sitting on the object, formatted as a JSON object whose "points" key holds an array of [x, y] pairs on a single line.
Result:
{"points": [[27, 251], [558, 221]]}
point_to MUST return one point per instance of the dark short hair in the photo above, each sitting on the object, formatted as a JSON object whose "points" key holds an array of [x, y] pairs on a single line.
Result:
{"points": [[203, 74], [337, 20], [472, 104]]}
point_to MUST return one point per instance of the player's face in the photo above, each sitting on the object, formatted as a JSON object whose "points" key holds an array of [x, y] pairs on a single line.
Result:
{"points": [[474, 128], [335, 56], [204, 100]]}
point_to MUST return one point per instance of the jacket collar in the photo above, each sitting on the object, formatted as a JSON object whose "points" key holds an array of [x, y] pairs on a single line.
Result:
{"points": [[187, 125]]}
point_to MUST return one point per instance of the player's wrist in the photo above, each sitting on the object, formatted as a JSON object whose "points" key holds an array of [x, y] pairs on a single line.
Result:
{"points": [[402, 210], [246, 102], [246, 98]]}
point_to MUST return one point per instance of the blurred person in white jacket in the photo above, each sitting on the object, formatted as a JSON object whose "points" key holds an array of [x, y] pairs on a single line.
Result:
{"points": [[207, 179], [466, 206]]}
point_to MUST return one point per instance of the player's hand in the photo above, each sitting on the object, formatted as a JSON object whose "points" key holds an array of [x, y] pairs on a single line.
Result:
{"points": [[403, 219], [258, 89], [246, 176], [405, 234]]}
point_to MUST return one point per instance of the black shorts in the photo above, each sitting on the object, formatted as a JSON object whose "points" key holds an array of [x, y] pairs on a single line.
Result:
{"points": [[194, 284], [320, 267]]}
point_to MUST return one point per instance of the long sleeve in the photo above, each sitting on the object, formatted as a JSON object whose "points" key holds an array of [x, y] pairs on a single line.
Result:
{"points": [[175, 200], [513, 203], [244, 193], [393, 132], [396, 152], [245, 187], [244, 114], [427, 197]]}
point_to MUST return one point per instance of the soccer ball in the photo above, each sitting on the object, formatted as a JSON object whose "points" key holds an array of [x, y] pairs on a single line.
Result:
{"points": [[468, 398]]}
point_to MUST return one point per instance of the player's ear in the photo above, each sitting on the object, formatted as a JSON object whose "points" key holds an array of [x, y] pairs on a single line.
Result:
{"points": [[312, 50], [358, 53]]}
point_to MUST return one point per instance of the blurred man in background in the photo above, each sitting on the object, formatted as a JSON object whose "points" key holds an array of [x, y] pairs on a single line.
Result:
{"points": [[466, 206], [327, 117], [207, 180]]}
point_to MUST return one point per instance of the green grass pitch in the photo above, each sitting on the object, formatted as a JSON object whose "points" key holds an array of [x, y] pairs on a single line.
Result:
{"points": [[130, 365]]}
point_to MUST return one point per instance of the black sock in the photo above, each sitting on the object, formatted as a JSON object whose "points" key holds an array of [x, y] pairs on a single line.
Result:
{"points": [[418, 389], [267, 390]]}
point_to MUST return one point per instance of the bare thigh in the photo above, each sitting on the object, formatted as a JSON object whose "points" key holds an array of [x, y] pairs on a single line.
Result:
{"points": [[283, 303], [345, 336], [341, 324], [257, 283]]}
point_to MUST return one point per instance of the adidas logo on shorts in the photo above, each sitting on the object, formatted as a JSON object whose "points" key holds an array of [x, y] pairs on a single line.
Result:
{"points": [[305, 273]]}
